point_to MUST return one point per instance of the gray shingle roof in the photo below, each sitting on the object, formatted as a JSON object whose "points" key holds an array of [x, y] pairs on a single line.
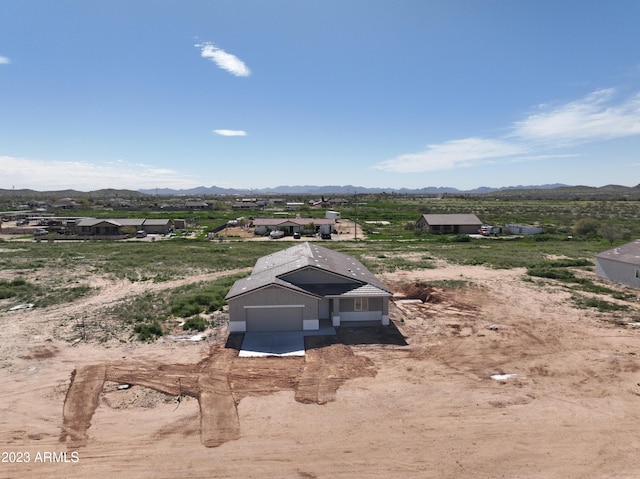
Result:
{"points": [[271, 268], [453, 219], [626, 253]]}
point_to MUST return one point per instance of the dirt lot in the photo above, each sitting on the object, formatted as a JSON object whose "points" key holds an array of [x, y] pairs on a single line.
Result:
{"points": [[415, 400]]}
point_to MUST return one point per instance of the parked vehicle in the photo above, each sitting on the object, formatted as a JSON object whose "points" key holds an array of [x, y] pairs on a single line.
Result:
{"points": [[41, 232], [141, 234], [276, 234], [486, 230]]}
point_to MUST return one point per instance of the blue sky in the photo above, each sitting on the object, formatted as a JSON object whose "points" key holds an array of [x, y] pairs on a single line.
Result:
{"points": [[252, 94]]}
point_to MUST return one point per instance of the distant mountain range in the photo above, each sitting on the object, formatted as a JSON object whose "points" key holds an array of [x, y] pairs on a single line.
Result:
{"points": [[335, 189], [520, 192]]}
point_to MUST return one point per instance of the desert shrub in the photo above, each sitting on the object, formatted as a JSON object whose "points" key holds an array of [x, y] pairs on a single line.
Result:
{"points": [[600, 304], [16, 287], [195, 323], [63, 295], [586, 227], [461, 239], [148, 331], [542, 237], [568, 262], [552, 273]]}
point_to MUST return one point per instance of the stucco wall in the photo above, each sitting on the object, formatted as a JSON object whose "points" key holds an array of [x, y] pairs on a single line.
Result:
{"points": [[347, 305], [618, 272]]}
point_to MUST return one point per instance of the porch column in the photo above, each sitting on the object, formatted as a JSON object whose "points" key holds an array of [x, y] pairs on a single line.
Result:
{"points": [[385, 311], [335, 311]]}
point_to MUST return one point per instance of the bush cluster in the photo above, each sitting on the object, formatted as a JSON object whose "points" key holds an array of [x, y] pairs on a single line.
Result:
{"points": [[195, 323], [15, 287]]}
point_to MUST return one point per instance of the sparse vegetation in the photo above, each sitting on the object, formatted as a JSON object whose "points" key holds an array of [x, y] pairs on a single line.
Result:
{"points": [[54, 272], [600, 304]]}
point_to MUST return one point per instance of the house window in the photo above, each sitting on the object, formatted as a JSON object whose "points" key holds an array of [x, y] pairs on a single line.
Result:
{"points": [[361, 304], [637, 273]]}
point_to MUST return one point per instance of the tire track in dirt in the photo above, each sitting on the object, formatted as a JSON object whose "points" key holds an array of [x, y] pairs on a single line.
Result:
{"points": [[218, 382]]}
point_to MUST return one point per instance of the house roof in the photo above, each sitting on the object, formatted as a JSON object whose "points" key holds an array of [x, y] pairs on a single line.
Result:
{"points": [[122, 222], [454, 219], [295, 221], [96, 221], [157, 222], [626, 253], [271, 269]]}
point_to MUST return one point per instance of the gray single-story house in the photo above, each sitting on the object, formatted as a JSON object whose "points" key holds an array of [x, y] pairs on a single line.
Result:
{"points": [[293, 289], [620, 264], [449, 224]]}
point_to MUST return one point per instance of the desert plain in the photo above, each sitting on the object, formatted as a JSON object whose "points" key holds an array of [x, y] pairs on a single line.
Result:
{"points": [[499, 376]]}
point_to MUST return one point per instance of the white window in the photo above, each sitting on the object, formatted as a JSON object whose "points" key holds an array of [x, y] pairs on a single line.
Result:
{"points": [[361, 304]]}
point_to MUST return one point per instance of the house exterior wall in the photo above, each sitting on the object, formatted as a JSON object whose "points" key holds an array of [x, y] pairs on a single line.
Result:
{"points": [[157, 228], [344, 310], [271, 296], [618, 272], [422, 223], [523, 229]]}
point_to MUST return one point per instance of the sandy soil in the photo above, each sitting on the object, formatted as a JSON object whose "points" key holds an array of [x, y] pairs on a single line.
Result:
{"points": [[415, 400]]}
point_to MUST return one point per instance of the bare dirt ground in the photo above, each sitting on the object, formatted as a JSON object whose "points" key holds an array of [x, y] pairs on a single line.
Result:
{"points": [[415, 400]]}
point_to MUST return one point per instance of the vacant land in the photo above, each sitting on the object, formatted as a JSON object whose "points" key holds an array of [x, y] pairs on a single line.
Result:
{"points": [[484, 373]]}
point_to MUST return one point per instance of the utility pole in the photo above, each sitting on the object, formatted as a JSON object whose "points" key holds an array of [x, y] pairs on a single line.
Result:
{"points": [[355, 220]]}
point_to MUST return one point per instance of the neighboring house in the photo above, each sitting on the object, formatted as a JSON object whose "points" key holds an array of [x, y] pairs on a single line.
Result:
{"points": [[98, 227], [157, 226], [66, 204], [295, 288], [114, 227], [620, 264], [196, 205], [264, 226], [449, 224]]}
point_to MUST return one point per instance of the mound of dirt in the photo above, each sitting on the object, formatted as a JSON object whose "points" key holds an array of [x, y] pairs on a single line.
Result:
{"points": [[418, 290]]}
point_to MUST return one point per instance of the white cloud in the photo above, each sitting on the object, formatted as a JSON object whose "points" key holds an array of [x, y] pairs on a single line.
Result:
{"points": [[4, 60], [451, 154], [230, 132], [599, 116], [46, 175], [224, 60], [595, 117]]}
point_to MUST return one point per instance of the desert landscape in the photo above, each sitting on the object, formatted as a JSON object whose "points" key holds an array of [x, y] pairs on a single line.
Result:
{"points": [[495, 376]]}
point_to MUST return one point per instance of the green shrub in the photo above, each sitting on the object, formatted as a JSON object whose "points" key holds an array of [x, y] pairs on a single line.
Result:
{"points": [[599, 304], [195, 323], [461, 238], [148, 331]]}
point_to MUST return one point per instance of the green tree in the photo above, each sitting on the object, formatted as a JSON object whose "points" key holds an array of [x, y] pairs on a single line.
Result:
{"points": [[610, 232], [586, 227]]}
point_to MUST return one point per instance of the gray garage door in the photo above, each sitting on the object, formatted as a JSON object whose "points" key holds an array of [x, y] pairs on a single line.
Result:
{"points": [[274, 319]]}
